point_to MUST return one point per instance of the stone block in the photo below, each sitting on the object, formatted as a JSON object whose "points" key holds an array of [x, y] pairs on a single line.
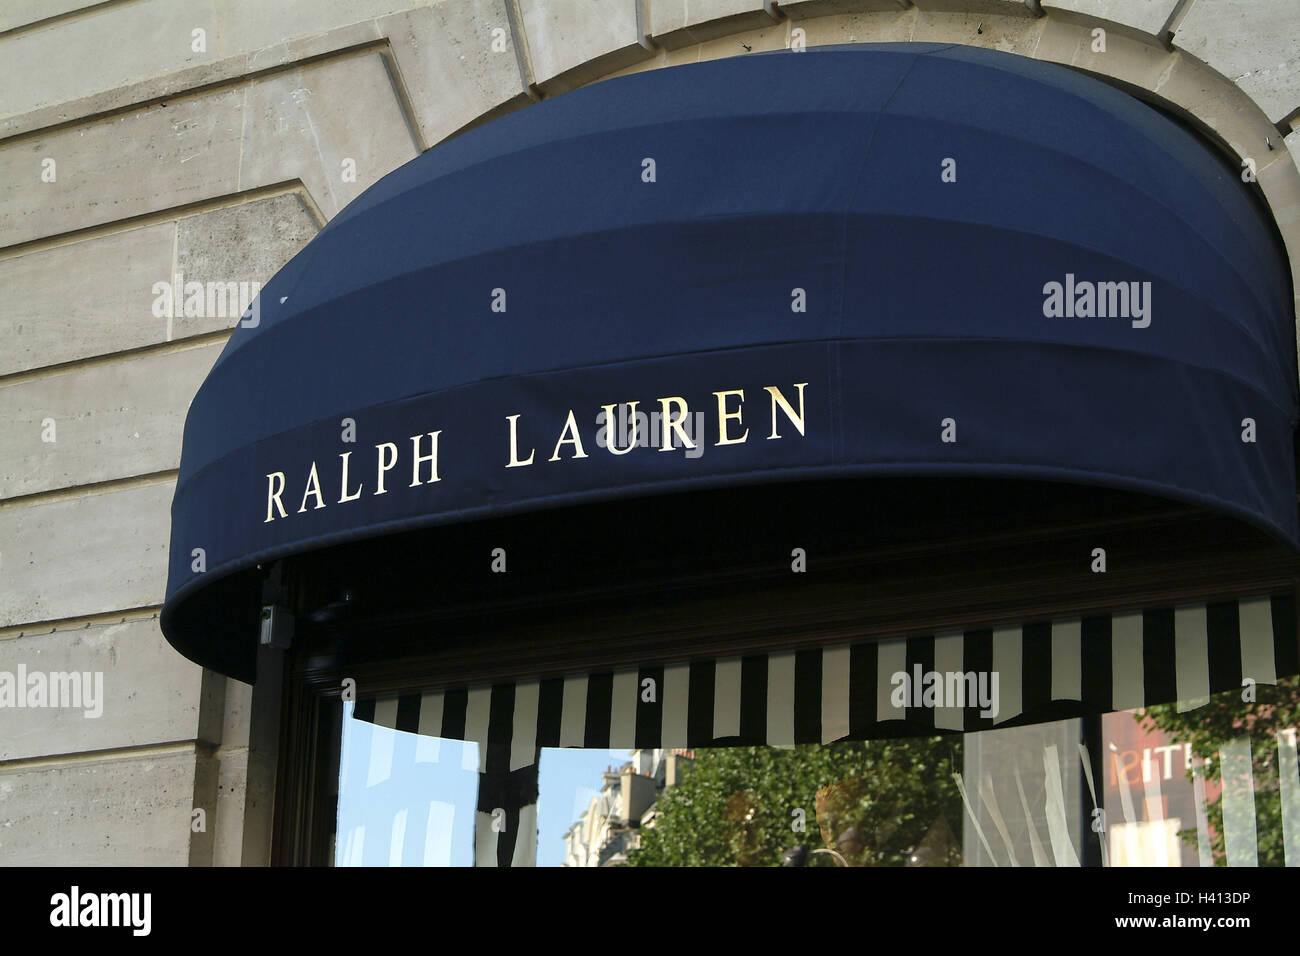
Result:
{"points": [[677, 23], [21, 13], [1148, 17], [84, 298], [148, 38], [804, 9], [458, 61], [92, 554], [150, 694], [296, 125], [571, 42], [1009, 34], [96, 296], [1003, 8], [1254, 43], [107, 421], [130, 810]]}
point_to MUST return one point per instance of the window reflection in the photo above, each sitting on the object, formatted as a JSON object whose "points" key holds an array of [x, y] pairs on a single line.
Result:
{"points": [[404, 799], [1221, 779], [590, 803], [873, 803], [1217, 783]]}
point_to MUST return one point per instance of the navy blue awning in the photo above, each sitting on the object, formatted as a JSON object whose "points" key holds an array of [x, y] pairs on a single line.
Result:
{"points": [[901, 259]]}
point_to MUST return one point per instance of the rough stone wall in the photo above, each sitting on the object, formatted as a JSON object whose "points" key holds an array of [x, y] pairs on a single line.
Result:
{"points": [[145, 139]]}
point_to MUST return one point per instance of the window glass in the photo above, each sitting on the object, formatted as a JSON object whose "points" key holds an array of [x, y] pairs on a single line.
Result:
{"points": [[404, 799], [1216, 782], [579, 793], [1211, 785]]}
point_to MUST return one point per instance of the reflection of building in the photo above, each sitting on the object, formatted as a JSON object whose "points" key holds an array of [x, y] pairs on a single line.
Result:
{"points": [[611, 824], [1151, 797]]}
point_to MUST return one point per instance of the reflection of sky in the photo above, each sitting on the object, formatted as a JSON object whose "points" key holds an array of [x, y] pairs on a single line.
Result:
{"points": [[567, 782], [409, 800], [404, 800]]}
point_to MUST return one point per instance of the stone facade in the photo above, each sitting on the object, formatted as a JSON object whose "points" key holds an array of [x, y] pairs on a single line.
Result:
{"points": [[210, 139]]}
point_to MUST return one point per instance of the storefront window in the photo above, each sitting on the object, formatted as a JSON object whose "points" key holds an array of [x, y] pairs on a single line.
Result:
{"points": [[404, 799], [1210, 784], [412, 800], [1214, 785], [873, 803]]}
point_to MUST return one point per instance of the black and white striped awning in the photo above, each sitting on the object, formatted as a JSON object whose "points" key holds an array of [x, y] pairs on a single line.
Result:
{"points": [[1046, 670]]}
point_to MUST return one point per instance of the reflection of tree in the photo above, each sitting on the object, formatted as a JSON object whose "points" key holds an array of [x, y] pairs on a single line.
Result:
{"points": [[1225, 718], [740, 806]]}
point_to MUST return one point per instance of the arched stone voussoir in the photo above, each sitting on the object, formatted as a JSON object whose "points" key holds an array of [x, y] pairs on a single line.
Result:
{"points": [[672, 24], [571, 42]]}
